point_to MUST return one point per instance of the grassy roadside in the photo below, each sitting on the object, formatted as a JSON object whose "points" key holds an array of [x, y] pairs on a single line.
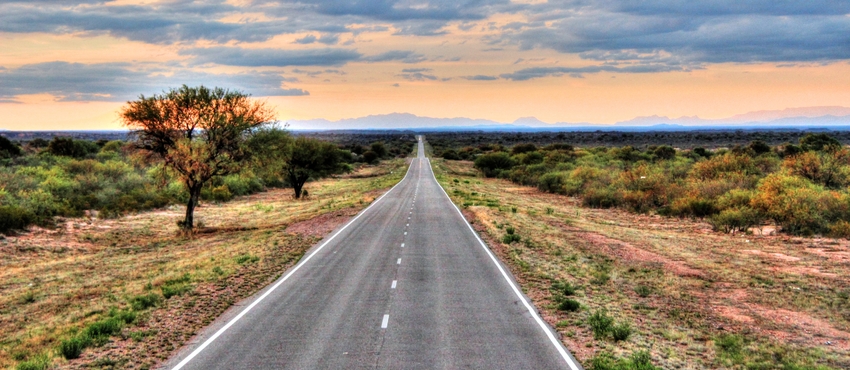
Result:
{"points": [[625, 289], [125, 293]]}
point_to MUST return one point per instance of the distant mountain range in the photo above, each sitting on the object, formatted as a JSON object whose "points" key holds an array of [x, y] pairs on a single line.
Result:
{"points": [[807, 117]]}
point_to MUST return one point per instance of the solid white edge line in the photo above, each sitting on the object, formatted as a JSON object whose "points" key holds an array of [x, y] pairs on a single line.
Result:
{"points": [[398, 262], [294, 269], [394, 284], [557, 343], [385, 321]]}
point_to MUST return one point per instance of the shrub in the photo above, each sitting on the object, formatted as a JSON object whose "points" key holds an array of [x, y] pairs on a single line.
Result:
{"points": [[735, 219], [176, 286], [569, 304], [840, 229], [621, 331], [553, 182], [370, 157], [800, 207], [511, 238], [564, 288], [451, 155], [523, 148], [246, 258], [14, 218], [643, 290], [8, 149], [491, 164], [221, 194], [145, 301], [100, 331], [601, 197], [818, 142], [125, 316], [72, 348], [600, 323], [40, 362]]}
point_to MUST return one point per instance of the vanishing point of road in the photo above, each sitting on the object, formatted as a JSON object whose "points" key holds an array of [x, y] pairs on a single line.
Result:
{"points": [[407, 284]]}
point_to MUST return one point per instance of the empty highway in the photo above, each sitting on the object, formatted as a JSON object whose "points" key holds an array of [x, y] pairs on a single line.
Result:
{"points": [[406, 284]]}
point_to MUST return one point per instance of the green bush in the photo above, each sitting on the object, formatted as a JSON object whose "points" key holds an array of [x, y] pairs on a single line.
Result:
{"points": [[643, 290], [176, 286], [601, 197], [100, 331], [493, 163], [73, 347], [14, 218], [246, 258], [145, 301], [639, 360], [564, 288], [621, 331], [600, 323], [569, 304], [511, 238], [735, 219], [39, 362]]}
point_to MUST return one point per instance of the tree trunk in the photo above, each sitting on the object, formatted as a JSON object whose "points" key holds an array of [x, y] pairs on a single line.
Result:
{"points": [[194, 195], [298, 186]]}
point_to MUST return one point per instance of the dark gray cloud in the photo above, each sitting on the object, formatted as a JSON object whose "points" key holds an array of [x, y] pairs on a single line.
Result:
{"points": [[121, 81], [687, 32], [415, 70], [237, 56], [578, 72], [405, 56], [397, 10], [480, 78], [417, 76]]}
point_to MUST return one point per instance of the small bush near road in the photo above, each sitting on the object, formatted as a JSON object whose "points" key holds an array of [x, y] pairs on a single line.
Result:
{"points": [[600, 323]]}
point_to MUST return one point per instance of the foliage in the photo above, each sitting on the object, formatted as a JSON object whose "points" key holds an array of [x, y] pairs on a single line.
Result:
{"points": [[639, 360], [492, 164], [8, 149], [68, 147], [803, 189], [600, 323], [196, 132]]}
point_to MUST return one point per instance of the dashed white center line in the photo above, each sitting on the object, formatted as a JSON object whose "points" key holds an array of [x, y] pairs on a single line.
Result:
{"points": [[407, 225], [398, 262], [402, 245], [405, 233], [394, 283], [385, 321]]}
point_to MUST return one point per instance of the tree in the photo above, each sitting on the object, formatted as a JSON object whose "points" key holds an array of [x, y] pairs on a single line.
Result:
{"points": [[310, 158], [297, 159], [493, 163], [197, 132], [8, 149]]}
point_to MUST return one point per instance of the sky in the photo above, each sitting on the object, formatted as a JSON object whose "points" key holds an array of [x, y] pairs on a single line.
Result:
{"points": [[73, 64]]}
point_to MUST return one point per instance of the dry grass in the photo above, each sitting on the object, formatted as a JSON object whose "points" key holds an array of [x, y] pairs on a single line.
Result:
{"points": [[694, 298], [55, 282]]}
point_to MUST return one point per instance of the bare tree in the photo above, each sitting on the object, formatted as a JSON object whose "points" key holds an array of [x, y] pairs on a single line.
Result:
{"points": [[197, 132]]}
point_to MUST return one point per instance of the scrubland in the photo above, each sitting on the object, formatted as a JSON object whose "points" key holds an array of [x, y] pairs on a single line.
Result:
{"points": [[625, 288], [125, 291]]}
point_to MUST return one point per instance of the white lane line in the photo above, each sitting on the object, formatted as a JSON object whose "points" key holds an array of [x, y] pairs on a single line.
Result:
{"points": [[394, 283], [398, 262], [402, 245], [405, 233], [408, 225], [282, 280], [385, 321], [555, 342]]}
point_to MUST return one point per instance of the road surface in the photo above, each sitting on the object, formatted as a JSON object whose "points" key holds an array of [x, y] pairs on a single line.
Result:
{"points": [[407, 284]]}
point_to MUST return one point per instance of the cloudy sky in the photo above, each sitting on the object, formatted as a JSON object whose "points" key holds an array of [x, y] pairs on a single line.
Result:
{"points": [[72, 64]]}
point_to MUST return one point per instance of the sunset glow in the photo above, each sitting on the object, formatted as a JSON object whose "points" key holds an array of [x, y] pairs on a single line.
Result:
{"points": [[73, 65]]}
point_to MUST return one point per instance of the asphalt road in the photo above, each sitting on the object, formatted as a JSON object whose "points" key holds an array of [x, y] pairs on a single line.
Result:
{"points": [[407, 284]]}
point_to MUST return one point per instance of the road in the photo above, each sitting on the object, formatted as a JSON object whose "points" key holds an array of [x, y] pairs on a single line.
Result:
{"points": [[407, 284]]}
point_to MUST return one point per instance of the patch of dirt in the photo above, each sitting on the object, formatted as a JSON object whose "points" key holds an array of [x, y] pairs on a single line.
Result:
{"points": [[779, 256], [733, 313], [321, 225], [627, 252], [801, 327]]}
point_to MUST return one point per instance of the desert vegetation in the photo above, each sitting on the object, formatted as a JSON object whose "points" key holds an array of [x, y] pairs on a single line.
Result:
{"points": [[644, 287], [124, 292], [800, 188]]}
